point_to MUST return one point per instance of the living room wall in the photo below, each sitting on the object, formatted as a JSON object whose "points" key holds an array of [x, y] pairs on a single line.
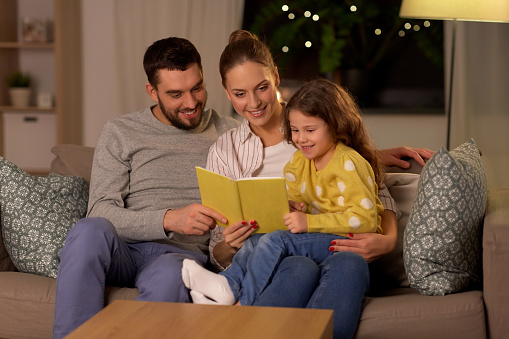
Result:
{"points": [[480, 100]]}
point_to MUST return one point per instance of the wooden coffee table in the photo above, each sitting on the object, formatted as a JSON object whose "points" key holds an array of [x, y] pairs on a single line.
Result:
{"points": [[141, 319]]}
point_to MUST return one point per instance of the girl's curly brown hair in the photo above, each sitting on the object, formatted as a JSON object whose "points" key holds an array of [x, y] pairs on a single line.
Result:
{"points": [[330, 102]]}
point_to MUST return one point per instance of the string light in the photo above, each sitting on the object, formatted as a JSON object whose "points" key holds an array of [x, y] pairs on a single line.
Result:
{"points": [[353, 8], [408, 25], [285, 49], [401, 33], [427, 23], [378, 31], [417, 28], [285, 8], [307, 14], [291, 16], [316, 17], [308, 44]]}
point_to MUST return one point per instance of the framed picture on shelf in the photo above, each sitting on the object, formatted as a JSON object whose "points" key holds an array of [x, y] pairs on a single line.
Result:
{"points": [[35, 30]]}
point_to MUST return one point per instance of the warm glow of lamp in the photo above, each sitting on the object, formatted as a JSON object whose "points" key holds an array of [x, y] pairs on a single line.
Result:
{"points": [[463, 10]]}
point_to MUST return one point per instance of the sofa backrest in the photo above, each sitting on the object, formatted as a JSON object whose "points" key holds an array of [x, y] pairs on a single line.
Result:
{"points": [[387, 272]]}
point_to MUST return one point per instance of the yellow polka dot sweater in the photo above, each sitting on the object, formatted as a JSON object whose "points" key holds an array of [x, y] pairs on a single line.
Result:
{"points": [[341, 198]]}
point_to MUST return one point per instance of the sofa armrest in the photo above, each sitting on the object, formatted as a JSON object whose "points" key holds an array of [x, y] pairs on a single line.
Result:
{"points": [[495, 261]]}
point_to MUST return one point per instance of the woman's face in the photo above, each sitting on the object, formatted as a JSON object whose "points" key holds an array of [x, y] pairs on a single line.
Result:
{"points": [[252, 89]]}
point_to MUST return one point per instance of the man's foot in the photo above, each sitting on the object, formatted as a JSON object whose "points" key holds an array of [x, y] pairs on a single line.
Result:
{"points": [[209, 284]]}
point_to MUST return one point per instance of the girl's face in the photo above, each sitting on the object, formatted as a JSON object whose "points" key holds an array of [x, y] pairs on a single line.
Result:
{"points": [[313, 137], [251, 87]]}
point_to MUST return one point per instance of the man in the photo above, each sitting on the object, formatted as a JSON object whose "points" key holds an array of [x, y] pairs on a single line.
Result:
{"points": [[144, 183]]}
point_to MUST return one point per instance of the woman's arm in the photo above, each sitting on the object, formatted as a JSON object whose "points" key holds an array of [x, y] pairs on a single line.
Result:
{"points": [[372, 246], [225, 242]]}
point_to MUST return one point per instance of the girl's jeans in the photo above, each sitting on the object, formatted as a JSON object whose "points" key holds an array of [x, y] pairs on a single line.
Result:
{"points": [[263, 270]]}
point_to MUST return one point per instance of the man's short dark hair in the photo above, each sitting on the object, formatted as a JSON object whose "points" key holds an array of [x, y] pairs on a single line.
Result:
{"points": [[172, 54]]}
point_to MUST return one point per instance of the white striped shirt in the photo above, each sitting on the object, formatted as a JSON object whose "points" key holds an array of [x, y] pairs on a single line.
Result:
{"points": [[238, 153]]}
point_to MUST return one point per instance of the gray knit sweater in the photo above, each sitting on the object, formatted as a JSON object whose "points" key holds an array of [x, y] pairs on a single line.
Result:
{"points": [[143, 167]]}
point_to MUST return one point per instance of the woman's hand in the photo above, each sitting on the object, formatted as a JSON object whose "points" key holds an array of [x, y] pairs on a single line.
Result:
{"points": [[237, 233], [371, 246], [394, 156], [234, 237]]}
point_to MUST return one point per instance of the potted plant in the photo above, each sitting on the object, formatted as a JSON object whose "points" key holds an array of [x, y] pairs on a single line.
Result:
{"points": [[19, 88]]}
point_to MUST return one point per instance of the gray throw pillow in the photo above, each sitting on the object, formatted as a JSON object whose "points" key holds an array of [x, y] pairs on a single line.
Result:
{"points": [[442, 241], [36, 213]]}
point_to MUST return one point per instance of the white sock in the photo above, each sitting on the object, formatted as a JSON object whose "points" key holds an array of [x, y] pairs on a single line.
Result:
{"points": [[209, 284], [199, 298]]}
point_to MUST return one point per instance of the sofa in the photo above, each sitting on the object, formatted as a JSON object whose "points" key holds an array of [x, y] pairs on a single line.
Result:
{"points": [[392, 309]]}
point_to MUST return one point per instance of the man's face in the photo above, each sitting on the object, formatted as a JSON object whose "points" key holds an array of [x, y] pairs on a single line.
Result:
{"points": [[181, 96]]}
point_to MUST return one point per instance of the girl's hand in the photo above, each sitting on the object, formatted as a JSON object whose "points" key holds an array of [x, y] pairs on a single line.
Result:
{"points": [[237, 233], [297, 222], [295, 206], [371, 246]]}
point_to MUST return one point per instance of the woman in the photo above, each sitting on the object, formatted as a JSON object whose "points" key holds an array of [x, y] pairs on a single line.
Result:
{"points": [[257, 148]]}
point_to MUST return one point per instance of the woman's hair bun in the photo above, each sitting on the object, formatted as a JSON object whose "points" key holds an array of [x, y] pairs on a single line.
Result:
{"points": [[241, 35]]}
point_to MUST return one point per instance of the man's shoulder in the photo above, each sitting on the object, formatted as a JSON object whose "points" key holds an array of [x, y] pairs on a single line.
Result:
{"points": [[129, 117]]}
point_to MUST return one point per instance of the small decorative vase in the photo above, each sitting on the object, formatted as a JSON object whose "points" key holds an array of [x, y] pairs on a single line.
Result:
{"points": [[20, 96]]}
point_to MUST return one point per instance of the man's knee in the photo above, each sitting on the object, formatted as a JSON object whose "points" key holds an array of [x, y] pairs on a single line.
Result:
{"points": [[162, 279], [89, 235]]}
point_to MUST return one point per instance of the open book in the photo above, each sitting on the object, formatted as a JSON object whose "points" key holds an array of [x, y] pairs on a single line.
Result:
{"points": [[261, 199]]}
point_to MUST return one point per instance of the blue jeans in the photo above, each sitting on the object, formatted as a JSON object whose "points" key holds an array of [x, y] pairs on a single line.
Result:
{"points": [[338, 283], [341, 286], [255, 264], [94, 256]]}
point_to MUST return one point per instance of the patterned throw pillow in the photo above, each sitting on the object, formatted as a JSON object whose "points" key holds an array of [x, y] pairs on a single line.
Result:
{"points": [[36, 213], [442, 241]]}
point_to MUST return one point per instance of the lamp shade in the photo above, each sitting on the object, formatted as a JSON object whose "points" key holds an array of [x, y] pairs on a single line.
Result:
{"points": [[467, 10]]}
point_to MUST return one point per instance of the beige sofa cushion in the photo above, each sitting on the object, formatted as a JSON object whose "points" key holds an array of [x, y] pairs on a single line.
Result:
{"points": [[389, 271], [73, 160], [406, 314], [28, 303]]}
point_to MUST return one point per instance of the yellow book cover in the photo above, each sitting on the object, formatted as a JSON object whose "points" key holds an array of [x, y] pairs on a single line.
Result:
{"points": [[261, 199]]}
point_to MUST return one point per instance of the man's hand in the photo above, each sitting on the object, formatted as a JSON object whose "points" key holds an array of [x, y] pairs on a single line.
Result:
{"points": [[194, 219], [296, 222], [394, 156]]}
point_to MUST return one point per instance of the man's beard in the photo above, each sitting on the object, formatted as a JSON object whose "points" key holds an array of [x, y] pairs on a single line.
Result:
{"points": [[175, 120]]}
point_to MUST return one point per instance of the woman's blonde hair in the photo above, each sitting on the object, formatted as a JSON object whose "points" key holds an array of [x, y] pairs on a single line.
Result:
{"points": [[333, 104]]}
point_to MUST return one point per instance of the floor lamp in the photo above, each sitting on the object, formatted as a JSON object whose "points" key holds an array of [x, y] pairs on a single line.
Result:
{"points": [[463, 10]]}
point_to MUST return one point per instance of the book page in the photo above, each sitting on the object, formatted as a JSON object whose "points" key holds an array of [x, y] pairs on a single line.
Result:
{"points": [[265, 201], [220, 193]]}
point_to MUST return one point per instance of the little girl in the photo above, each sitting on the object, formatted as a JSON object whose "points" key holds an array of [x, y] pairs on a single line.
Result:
{"points": [[332, 184]]}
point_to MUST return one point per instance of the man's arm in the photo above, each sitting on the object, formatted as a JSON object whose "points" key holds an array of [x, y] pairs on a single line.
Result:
{"points": [[395, 156], [109, 186]]}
